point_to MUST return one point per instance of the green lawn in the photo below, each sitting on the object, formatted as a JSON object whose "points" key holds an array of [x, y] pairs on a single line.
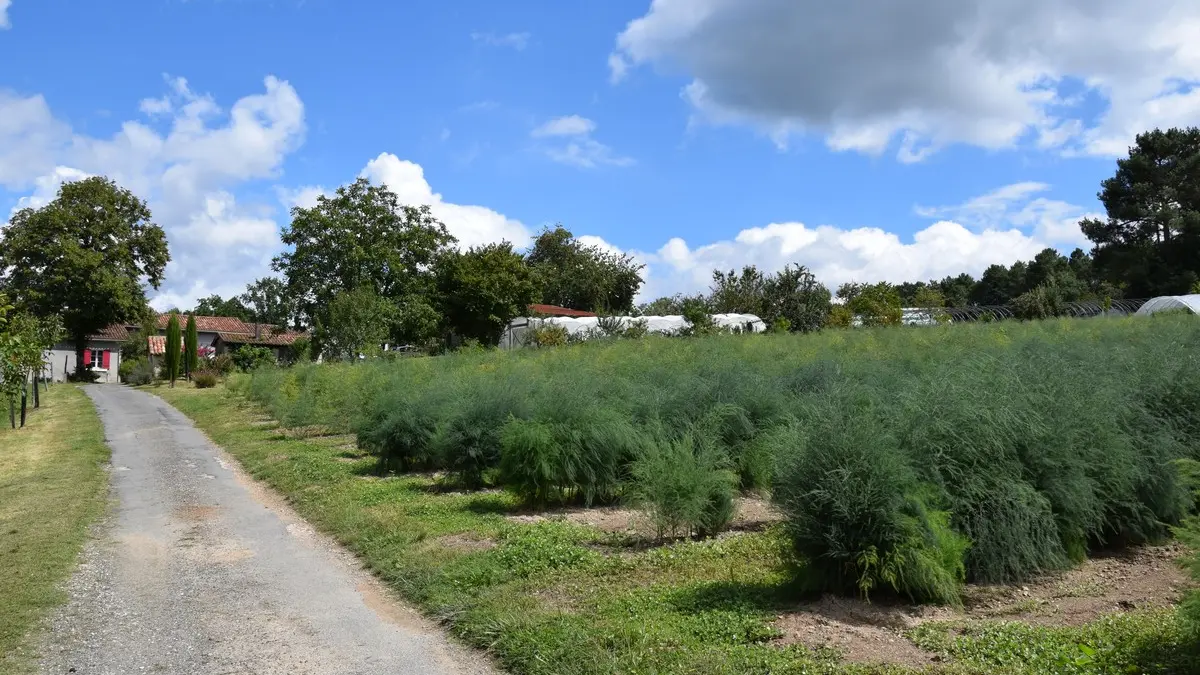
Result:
{"points": [[52, 487], [556, 597]]}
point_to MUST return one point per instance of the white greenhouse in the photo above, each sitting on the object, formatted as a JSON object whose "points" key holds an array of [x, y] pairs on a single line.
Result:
{"points": [[587, 326], [1171, 302]]}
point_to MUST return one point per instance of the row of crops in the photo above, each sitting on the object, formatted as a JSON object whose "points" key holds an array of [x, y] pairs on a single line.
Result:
{"points": [[903, 459]]}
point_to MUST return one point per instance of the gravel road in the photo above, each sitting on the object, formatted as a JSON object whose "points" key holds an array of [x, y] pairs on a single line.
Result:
{"points": [[200, 570]]}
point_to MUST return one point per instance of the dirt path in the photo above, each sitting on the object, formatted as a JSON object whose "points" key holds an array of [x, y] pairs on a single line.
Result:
{"points": [[199, 570]]}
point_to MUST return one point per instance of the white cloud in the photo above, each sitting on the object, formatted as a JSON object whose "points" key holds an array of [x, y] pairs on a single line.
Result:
{"points": [[517, 41], [46, 187], [571, 125], [928, 73], [185, 163], [1018, 205], [4, 5], [581, 150]]}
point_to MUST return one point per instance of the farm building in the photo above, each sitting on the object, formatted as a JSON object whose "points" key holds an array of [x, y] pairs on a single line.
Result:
{"points": [[1168, 303], [589, 324]]}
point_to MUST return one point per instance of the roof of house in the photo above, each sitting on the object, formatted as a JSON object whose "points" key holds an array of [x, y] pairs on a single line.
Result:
{"points": [[115, 333], [266, 338], [157, 344], [554, 310], [210, 324]]}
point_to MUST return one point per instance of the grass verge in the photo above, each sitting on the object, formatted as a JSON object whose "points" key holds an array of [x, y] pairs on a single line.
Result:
{"points": [[52, 487], [558, 597]]}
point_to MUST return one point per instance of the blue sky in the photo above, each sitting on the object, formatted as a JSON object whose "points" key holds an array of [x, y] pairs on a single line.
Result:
{"points": [[691, 133]]}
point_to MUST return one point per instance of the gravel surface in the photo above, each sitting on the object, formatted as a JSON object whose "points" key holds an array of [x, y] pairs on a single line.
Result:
{"points": [[199, 570]]}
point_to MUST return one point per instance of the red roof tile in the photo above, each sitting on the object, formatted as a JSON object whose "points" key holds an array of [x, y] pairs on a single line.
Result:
{"points": [[158, 344], [115, 333], [266, 338], [553, 310], [210, 324]]}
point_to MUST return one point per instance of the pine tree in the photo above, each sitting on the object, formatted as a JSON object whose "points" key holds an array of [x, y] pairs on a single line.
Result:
{"points": [[173, 349]]}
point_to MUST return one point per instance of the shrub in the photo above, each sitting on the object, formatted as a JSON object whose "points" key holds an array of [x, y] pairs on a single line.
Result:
{"points": [[858, 516], [221, 364], [136, 372], [685, 485], [547, 335], [248, 358], [205, 379]]}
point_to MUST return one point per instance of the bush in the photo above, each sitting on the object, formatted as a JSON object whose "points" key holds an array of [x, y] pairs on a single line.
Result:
{"points": [[136, 372], [205, 379], [248, 358], [685, 485], [221, 364], [1038, 442]]}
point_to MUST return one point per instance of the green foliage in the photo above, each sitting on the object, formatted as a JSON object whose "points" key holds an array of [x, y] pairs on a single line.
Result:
{"points": [[699, 320], [268, 301], [872, 304], [791, 298], [483, 290], [136, 372], [215, 305], [571, 274], [361, 237], [685, 485], [888, 449], [546, 335], [249, 358], [83, 257], [356, 323], [205, 379], [191, 347], [222, 364], [1148, 243], [173, 350]]}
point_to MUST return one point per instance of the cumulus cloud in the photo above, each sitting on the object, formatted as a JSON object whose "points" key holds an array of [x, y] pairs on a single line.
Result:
{"points": [[4, 5], [578, 149], [517, 41], [472, 225], [924, 74], [184, 160], [1020, 205], [1003, 226]]}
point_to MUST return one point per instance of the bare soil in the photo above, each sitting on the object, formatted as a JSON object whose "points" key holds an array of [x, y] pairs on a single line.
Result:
{"points": [[873, 632], [753, 513]]}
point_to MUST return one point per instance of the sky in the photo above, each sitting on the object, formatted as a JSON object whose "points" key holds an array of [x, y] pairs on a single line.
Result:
{"points": [[867, 140]]}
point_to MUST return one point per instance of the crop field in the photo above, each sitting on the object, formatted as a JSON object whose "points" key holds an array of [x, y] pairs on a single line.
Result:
{"points": [[898, 466]]}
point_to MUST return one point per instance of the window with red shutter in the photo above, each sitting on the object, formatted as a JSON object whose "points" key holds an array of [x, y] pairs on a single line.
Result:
{"points": [[87, 358], [105, 362]]}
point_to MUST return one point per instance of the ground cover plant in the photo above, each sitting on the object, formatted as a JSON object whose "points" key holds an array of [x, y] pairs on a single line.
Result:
{"points": [[52, 486], [906, 460], [547, 594]]}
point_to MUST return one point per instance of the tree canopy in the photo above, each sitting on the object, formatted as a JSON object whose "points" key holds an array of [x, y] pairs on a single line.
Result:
{"points": [[86, 256], [1150, 242], [482, 290], [569, 273]]}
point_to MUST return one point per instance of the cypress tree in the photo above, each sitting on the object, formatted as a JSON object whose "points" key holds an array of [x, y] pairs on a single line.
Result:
{"points": [[173, 349], [191, 344]]}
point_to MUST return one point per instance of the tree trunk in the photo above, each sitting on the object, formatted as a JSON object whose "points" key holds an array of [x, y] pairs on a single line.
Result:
{"points": [[24, 398], [12, 413], [37, 399]]}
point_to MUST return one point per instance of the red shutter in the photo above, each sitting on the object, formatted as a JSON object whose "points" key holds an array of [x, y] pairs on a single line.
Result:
{"points": [[105, 355], [87, 358]]}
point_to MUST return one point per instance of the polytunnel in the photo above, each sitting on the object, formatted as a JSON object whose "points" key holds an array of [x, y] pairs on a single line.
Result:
{"points": [[1167, 303]]}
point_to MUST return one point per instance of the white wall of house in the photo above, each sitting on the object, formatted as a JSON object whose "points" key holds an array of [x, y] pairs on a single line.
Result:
{"points": [[61, 361]]}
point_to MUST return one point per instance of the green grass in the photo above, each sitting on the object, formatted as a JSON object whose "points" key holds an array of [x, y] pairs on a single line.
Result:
{"points": [[559, 598], [52, 487]]}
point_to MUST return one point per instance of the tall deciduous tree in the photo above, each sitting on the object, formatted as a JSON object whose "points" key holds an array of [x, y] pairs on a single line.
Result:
{"points": [[361, 237], [873, 304], [794, 294], [357, 322], [172, 350], [482, 290], [269, 302], [191, 347], [215, 305], [575, 275], [84, 256], [1150, 242]]}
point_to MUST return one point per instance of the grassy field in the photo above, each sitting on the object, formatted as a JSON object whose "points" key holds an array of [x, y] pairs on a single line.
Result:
{"points": [[52, 487], [555, 595]]}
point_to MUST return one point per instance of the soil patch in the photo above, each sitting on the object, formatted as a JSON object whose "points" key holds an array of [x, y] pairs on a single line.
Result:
{"points": [[873, 632], [465, 542], [752, 513]]}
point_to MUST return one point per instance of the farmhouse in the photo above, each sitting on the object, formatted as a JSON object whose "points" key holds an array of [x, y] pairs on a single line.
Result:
{"points": [[215, 335]]}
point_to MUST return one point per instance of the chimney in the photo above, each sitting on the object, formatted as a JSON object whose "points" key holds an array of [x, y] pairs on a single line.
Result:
{"points": [[257, 331]]}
